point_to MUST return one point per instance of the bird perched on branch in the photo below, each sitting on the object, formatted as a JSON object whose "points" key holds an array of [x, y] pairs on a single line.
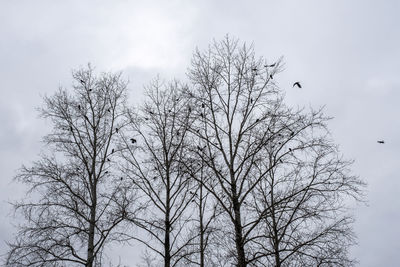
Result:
{"points": [[297, 84]]}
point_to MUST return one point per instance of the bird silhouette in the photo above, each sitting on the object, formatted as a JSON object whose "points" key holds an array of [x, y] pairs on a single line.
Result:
{"points": [[79, 107], [121, 178], [201, 114], [270, 66], [251, 100], [272, 77], [254, 69], [108, 110], [202, 105], [297, 84], [133, 140], [112, 150], [108, 159], [381, 142], [290, 149], [116, 130], [146, 119]]}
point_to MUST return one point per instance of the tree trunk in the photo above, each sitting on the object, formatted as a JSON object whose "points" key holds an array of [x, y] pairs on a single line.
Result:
{"points": [[90, 254], [201, 228], [241, 259], [167, 259], [167, 254]]}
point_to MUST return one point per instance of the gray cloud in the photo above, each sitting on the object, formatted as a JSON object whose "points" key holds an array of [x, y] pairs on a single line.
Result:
{"points": [[345, 53]]}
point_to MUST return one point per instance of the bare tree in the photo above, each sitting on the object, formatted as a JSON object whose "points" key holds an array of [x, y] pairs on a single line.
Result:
{"points": [[204, 220], [249, 134], [77, 198], [301, 199], [156, 142]]}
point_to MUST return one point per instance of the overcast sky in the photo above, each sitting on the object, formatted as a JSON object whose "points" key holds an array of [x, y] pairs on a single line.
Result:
{"points": [[346, 54]]}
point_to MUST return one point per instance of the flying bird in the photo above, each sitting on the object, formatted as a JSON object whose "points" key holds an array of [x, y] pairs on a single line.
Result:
{"points": [[270, 66], [133, 140], [381, 142], [297, 84]]}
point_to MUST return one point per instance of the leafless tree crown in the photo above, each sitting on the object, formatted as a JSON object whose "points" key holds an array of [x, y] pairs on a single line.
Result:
{"points": [[77, 198], [216, 172]]}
